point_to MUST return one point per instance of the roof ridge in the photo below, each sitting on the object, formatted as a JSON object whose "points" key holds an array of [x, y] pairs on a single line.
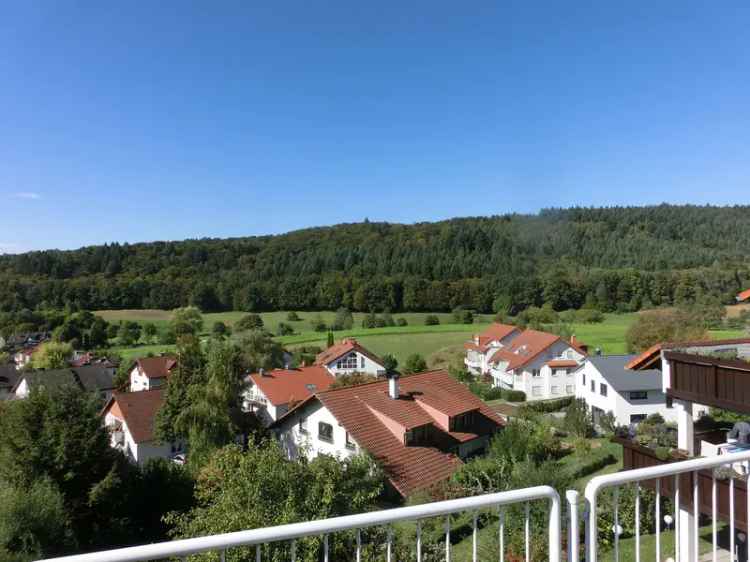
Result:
{"points": [[381, 381]]}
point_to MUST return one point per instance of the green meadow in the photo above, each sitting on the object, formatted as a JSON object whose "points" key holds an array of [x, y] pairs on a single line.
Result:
{"points": [[436, 343]]}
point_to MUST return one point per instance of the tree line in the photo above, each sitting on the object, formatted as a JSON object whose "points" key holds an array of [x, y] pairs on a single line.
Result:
{"points": [[613, 259]]}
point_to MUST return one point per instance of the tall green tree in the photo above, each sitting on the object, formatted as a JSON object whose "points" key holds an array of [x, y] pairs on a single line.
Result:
{"points": [[52, 355]]}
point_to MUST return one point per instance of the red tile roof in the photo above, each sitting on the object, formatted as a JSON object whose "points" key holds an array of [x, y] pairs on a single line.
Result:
{"points": [[282, 386], [560, 363], [342, 348], [138, 410], [414, 467], [744, 295], [652, 355], [524, 348], [495, 332], [156, 367]]}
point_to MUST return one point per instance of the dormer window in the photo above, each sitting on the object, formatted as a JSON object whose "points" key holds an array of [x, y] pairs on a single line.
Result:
{"points": [[416, 435], [348, 362], [463, 422]]}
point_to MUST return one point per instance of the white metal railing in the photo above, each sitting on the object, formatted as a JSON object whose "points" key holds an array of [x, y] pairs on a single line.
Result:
{"points": [[690, 548], [324, 527]]}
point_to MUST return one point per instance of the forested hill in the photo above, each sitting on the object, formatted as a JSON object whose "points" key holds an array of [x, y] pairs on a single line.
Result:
{"points": [[613, 258]]}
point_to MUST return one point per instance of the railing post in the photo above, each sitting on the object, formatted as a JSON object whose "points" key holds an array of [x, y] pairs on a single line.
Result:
{"points": [[554, 528], [573, 532], [592, 535]]}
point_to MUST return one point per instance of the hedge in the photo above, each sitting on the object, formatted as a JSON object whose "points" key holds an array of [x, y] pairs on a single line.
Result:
{"points": [[547, 406]]}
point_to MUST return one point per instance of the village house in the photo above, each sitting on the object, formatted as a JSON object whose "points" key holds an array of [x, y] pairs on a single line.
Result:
{"points": [[8, 379], [607, 387], [349, 357], [130, 416], [270, 394], [539, 364], [417, 427], [151, 372], [482, 346], [744, 296], [97, 379]]}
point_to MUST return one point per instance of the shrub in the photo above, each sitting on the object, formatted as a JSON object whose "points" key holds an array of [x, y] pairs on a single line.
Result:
{"points": [[250, 321], [390, 363], [589, 316], [546, 406], [284, 329], [462, 316], [415, 363], [577, 419], [317, 324], [514, 395], [431, 320], [582, 446], [401, 322], [344, 319], [293, 317]]}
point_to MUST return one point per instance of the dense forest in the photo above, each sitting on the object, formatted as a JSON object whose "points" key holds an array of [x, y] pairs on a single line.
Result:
{"points": [[609, 258]]}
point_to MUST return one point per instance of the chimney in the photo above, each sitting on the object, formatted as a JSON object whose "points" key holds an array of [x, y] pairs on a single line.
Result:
{"points": [[393, 390]]}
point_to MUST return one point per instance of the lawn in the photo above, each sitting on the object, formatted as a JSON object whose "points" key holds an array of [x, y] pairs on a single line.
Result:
{"points": [[439, 344]]}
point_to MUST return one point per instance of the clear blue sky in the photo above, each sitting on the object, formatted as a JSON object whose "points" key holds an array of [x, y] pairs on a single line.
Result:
{"points": [[138, 120]]}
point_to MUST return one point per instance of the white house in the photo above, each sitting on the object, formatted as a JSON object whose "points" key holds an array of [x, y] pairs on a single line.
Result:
{"points": [[418, 427], [270, 394], [482, 346], [606, 386], [349, 357], [151, 372], [537, 363], [130, 416]]}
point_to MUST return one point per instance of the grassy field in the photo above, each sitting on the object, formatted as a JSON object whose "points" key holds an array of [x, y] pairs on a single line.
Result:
{"points": [[439, 344]]}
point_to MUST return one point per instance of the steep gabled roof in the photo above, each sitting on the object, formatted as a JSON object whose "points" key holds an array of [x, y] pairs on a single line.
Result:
{"points": [[494, 332], [342, 348], [93, 378], [282, 386], [409, 468], [156, 367], [138, 410], [524, 348]]}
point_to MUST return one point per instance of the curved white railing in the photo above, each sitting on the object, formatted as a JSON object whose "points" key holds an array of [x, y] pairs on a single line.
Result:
{"points": [[324, 527], [675, 469]]}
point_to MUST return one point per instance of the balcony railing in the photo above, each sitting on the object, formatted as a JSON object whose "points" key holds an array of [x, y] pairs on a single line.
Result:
{"points": [[683, 482], [325, 527]]}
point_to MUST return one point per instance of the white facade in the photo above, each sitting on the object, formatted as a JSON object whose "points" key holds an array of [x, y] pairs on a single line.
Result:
{"points": [[121, 438], [537, 379], [631, 396], [139, 381], [354, 362], [254, 400], [476, 361], [300, 434]]}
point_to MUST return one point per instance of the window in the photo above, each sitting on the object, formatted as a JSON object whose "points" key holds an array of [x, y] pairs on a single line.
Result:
{"points": [[303, 426], [535, 372], [560, 372], [555, 390], [536, 390], [637, 418], [583, 379], [603, 389], [593, 386], [348, 362], [555, 372], [670, 402], [462, 422], [325, 432], [638, 394], [349, 443], [569, 389], [362, 362], [416, 435]]}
